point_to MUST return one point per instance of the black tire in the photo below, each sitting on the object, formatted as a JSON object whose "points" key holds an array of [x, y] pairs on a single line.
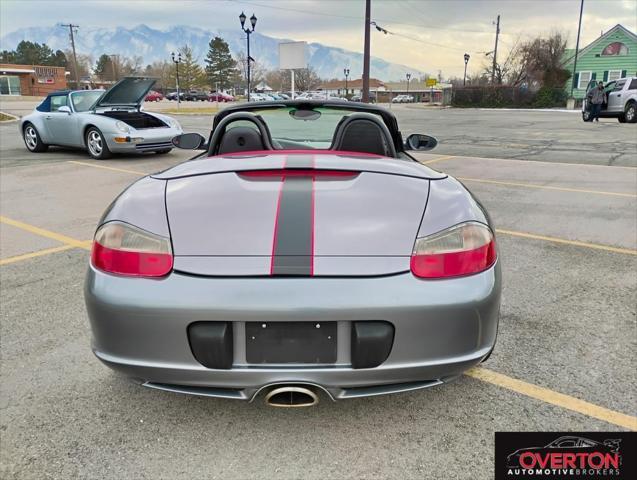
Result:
{"points": [[163, 152], [630, 114], [96, 144], [586, 116], [622, 118], [32, 139]]}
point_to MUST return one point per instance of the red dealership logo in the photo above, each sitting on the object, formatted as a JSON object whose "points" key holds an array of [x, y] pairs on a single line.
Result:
{"points": [[563, 456]]}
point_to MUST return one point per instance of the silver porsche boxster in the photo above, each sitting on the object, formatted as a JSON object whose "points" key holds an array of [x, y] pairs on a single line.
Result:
{"points": [[102, 122], [303, 251]]}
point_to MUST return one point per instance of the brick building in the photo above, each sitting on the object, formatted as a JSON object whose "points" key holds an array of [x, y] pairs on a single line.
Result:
{"points": [[32, 80]]}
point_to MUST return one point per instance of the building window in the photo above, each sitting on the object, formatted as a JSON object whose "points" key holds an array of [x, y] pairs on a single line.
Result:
{"points": [[584, 78], [615, 48], [9, 85], [614, 75]]}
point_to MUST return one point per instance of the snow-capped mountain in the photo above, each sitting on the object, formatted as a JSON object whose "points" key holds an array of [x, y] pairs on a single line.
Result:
{"points": [[153, 44]]}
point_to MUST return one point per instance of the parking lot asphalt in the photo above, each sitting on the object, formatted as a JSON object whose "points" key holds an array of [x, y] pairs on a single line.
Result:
{"points": [[565, 358]]}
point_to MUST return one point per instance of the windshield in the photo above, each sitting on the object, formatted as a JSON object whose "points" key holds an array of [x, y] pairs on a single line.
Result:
{"points": [[303, 129], [82, 101]]}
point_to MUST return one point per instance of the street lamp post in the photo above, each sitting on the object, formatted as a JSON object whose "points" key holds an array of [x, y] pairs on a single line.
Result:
{"points": [[408, 75], [466, 60], [177, 61], [253, 22], [346, 72]]}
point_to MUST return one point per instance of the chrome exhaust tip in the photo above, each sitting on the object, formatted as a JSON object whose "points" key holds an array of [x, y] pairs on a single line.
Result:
{"points": [[291, 396]]}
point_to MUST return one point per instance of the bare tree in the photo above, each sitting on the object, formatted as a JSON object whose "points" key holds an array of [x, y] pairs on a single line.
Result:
{"points": [[84, 64], [507, 72], [306, 79], [161, 70], [257, 72], [541, 59]]}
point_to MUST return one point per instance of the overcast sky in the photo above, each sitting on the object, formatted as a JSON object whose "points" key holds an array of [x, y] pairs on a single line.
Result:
{"points": [[428, 34]]}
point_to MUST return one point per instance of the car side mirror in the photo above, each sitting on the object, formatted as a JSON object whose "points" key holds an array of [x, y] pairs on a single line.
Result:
{"points": [[65, 109], [190, 141], [418, 141]]}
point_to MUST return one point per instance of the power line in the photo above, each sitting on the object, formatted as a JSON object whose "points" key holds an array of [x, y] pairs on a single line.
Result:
{"points": [[440, 45], [356, 17]]}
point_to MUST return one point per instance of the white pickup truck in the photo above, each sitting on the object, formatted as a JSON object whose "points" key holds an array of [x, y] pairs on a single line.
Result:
{"points": [[621, 101]]}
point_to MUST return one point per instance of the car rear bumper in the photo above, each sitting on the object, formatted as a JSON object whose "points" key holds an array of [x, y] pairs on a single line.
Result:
{"points": [[441, 328]]}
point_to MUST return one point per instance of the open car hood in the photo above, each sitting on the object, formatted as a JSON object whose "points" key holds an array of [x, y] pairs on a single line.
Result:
{"points": [[129, 91]]}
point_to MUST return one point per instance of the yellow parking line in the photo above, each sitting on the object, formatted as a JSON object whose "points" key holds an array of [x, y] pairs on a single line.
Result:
{"points": [[596, 246], [547, 187], [446, 157], [104, 167], [39, 253], [45, 233], [554, 398], [537, 161]]}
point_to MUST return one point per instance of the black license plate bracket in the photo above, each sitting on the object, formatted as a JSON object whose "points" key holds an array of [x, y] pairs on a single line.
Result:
{"points": [[290, 342]]}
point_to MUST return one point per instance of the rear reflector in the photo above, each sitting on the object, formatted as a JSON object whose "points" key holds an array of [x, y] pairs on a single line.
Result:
{"points": [[465, 249], [123, 249]]}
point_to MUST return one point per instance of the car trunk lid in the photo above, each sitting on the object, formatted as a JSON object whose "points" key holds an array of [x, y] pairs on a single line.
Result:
{"points": [[300, 217]]}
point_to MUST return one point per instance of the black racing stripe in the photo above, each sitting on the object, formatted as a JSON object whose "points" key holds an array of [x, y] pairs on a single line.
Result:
{"points": [[299, 161], [293, 248]]}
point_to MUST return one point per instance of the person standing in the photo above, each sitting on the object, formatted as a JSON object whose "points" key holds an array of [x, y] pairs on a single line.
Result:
{"points": [[597, 97]]}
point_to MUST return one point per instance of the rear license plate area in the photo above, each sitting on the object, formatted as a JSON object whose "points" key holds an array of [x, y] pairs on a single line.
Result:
{"points": [[291, 342]]}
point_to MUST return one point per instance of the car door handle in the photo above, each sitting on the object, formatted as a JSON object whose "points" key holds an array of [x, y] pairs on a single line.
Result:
{"points": [[48, 117]]}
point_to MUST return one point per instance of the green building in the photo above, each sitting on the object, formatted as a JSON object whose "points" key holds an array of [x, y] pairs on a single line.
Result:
{"points": [[611, 56]]}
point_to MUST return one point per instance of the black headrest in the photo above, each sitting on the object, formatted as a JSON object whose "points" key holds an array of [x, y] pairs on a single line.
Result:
{"points": [[241, 139], [363, 132]]}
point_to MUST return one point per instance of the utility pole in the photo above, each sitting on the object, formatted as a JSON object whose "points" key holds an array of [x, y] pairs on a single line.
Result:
{"points": [[365, 93], [77, 73], [579, 28], [495, 50]]}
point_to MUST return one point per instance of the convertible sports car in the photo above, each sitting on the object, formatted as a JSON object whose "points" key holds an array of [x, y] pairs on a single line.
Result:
{"points": [[303, 251], [102, 122]]}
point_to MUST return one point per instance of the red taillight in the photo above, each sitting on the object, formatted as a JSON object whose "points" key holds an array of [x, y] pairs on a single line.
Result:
{"points": [[465, 249], [127, 250]]}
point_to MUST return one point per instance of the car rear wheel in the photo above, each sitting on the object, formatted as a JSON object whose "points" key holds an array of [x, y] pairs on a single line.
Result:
{"points": [[630, 114], [586, 116], [32, 139], [96, 144]]}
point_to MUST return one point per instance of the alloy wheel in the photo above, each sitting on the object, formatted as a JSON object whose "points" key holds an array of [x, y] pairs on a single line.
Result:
{"points": [[95, 143], [31, 137]]}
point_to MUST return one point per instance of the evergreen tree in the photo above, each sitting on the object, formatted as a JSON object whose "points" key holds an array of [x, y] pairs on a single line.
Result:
{"points": [[32, 53], [103, 67], [221, 68]]}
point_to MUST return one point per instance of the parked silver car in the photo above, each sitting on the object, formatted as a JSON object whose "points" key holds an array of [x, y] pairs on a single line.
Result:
{"points": [[402, 99], [621, 101], [102, 122]]}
